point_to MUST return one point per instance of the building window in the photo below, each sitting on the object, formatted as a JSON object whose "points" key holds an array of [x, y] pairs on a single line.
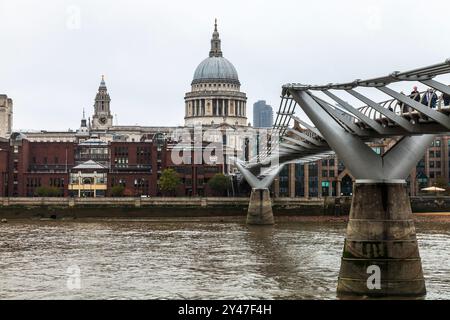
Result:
{"points": [[313, 180], [341, 167], [431, 153], [284, 183], [438, 154], [437, 143], [431, 164], [331, 173], [299, 180]]}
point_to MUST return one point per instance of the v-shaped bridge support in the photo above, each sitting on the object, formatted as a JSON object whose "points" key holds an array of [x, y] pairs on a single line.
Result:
{"points": [[260, 205], [359, 158]]}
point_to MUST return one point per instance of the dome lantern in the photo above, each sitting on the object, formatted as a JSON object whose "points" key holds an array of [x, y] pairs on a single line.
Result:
{"points": [[215, 43]]}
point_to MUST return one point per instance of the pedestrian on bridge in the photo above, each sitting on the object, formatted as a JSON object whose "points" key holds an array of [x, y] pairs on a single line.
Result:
{"points": [[430, 98], [415, 94]]}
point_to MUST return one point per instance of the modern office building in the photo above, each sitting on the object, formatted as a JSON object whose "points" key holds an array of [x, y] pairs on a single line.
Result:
{"points": [[262, 115]]}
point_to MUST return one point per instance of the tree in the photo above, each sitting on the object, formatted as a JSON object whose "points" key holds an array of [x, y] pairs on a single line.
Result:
{"points": [[219, 183], [169, 181], [45, 191], [117, 191]]}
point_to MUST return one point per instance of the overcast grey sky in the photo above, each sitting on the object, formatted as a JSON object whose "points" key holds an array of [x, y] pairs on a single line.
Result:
{"points": [[53, 52]]}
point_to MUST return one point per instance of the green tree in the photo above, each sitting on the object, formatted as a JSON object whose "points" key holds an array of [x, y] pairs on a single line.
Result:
{"points": [[219, 183], [169, 181], [45, 191], [117, 191]]}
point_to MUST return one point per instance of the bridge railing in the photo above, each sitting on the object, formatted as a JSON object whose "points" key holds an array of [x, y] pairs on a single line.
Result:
{"points": [[402, 109]]}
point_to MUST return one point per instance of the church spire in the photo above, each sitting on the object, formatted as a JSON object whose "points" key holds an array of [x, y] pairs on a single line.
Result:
{"points": [[83, 120], [215, 43]]}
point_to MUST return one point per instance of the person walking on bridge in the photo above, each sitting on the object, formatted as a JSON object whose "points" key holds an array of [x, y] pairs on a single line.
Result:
{"points": [[415, 94], [430, 98]]}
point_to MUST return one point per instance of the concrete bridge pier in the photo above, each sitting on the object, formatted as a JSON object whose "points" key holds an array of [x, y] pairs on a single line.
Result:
{"points": [[260, 207], [260, 204], [381, 255]]}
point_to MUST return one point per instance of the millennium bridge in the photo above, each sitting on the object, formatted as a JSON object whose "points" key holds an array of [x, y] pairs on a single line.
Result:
{"points": [[380, 232]]}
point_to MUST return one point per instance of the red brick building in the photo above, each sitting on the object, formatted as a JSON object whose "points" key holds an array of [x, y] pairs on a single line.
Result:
{"points": [[4, 166], [92, 168]]}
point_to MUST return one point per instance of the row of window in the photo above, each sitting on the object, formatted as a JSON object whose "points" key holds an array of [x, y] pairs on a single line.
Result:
{"points": [[435, 164], [434, 154], [329, 173], [328, 162], [200, 182], [200, 170], [137, 182], [209, 85], [437, 143], [57, 182], [33, 182]]}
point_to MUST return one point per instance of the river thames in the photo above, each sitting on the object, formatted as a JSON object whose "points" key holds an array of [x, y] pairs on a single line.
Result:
{"points": [[190, 259]]}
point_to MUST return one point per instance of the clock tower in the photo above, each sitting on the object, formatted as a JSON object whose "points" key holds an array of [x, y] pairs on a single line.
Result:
{"points": [[102, 118]]}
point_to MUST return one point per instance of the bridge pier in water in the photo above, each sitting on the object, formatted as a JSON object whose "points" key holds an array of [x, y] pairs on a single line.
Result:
{"points": [[381, 239], [260, 207]]}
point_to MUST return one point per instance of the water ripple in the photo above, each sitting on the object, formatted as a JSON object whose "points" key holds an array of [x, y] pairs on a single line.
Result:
{"points": [[190, 260]]}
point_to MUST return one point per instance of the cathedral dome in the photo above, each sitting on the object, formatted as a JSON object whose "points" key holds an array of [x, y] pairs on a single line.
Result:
{"points": [[215, 69], [215, 97]]}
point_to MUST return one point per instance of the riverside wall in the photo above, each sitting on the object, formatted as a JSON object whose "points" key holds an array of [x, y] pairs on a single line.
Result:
{"points": [[187, 206]]}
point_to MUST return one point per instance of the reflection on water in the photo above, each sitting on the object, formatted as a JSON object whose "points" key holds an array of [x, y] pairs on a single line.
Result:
{"points": [[190, 259]]}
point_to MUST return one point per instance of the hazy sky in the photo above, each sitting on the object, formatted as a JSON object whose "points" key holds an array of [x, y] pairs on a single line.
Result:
{"points": [[53, 52]]}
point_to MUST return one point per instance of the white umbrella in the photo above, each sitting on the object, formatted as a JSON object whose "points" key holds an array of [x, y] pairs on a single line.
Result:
{"points": [[435, 189]]}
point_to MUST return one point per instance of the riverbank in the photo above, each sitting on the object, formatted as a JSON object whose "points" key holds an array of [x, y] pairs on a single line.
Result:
{"points": [[161, 207], [440, 217], [158, 207]]}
